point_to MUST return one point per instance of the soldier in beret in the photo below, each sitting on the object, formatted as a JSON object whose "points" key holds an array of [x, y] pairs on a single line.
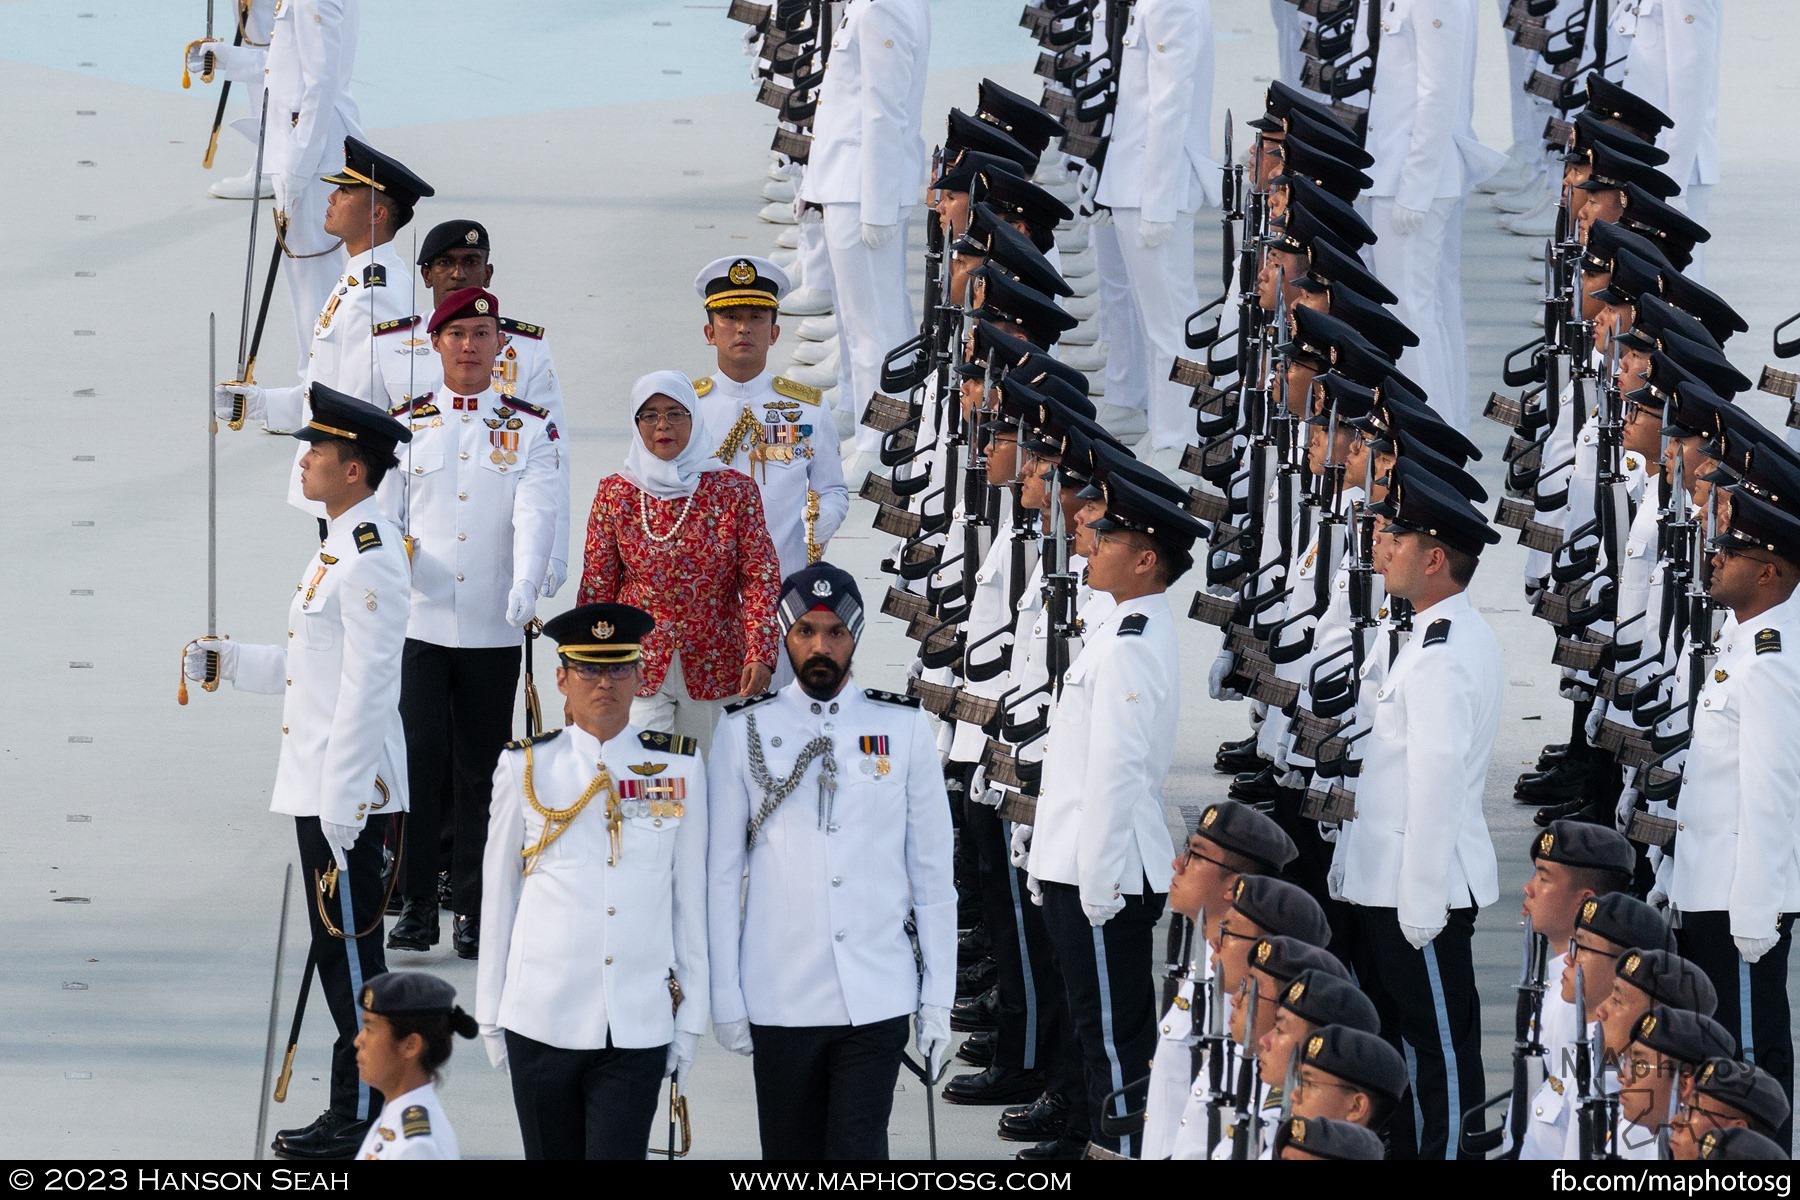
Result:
{"points": [[1728, 1096], [1322, 1139], [408, 1019], [1349, 1075]]}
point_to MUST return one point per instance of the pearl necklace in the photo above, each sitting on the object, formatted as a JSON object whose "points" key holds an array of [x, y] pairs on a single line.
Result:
{"points": [[644, 519]]}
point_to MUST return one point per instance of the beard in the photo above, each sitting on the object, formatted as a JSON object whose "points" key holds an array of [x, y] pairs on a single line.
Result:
{"points": [[820, 676]]}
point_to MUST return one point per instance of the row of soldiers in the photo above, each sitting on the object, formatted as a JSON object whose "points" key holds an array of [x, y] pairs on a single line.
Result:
{"points": [[1340, 530]]}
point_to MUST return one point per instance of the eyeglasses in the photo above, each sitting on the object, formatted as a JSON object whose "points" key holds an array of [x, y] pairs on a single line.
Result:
{"points": [[672, 417], [1692, 1109], [1738, 552], [1187, 859], [594, 672], [1595, 950], [1225, 934], [1302, 1083]]}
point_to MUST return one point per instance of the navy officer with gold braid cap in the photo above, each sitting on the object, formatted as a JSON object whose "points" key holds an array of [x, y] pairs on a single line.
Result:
{"points": [[782, 433], [594, 884]]}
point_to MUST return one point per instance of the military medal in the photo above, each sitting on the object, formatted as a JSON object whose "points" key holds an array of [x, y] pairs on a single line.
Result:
{"points": [[875, 751], [506, 444]]}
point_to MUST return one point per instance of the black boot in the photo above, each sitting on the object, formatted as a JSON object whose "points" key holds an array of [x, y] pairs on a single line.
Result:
{"points": [[1565, 781], [996, 1085], [1234, 758], [465, 936], [975, 978], [1057, 1150], [1042, 1120], [417, 928], [978, 1048], [331, 1137], [973, 1016], [1256, 787]]}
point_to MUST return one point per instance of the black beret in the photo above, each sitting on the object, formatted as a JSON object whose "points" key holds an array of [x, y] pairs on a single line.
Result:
{"points": [[1683, 1035], [1280, 907], [1243, 830], [1749, 1089], [1321, 997], [1624, 920], [1364, 1059], [453, 235], [395, 992], [1284, 958], [1335, 1141], [1584, 844], [1667, 978], [1737, 1144]]}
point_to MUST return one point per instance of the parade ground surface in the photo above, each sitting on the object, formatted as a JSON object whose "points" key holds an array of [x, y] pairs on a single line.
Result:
{"points": [[611, 149]]}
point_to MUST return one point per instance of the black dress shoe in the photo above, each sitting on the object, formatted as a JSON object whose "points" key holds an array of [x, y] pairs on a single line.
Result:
{"points": [[1255, 787], [465, 936], [1234, 758], [1565, 781], [1551, 755], [973, 1016], [978, 1048], [996, 1085], [331, 1137], [1580, 809], [976, 978], [303, 1130], [417, 928], [1042, 1120], [973, 946], [1056, 1150]]}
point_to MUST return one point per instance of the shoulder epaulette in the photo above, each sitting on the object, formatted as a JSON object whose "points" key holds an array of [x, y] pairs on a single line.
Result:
{"points": [[703, 385], [410, 403], [381, 327], [530, 410], [415, 1121], [671, 742], [741, 705], [1768, 641], [533, 741], [1133, 624], [367, 537], [374, 275], [1438, 631], [521, 328], [796, 391], [881, 697]]}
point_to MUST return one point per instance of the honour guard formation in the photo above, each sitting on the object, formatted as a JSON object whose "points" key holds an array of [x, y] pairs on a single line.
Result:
{"points": [[1078, 452]]}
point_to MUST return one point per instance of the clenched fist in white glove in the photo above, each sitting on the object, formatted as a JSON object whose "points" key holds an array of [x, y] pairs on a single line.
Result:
{"points": [[554, 577], [256, 405], [493, 1038], [224, 55], [1215, 678], [193, 659], [734, 1036], [933, 1038], [521, 605], [1420, 938], [1154, 233], [877, 236], [340, 838], [1407, 220], [1021, 845], [1752, 949], [681, 1054]]}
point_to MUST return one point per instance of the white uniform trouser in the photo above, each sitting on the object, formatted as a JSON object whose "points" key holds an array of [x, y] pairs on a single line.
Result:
{"points": [[1162, 283], [1425, 272], [1527, 122], [311, 275], [672, 710], [1127, 373], [1288, 35], [874, 311]]}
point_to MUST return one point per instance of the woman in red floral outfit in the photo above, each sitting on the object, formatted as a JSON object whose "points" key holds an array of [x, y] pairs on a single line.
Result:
{"points": [[679, 534]]}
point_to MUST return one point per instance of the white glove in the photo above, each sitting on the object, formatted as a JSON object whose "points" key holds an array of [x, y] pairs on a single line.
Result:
{"points": [[340, 838], [223, 56], [933, 1038], [494, 1039], [1036, 888], [1100, 218], [1021, 845], [877, 236], [1406, 220], [1751, 949], [521, 606], [734, 1036], [1665, 875], [1100, 914], [1628, 798], [1596, 715], [1215, 678], [193, 659], [1154, 233], [256, 405], [1420, 938], [809, 214], [554, 578], [1334, 879], [681, 1053]]}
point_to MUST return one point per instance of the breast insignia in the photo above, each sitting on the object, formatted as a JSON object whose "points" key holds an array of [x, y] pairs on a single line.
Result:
{"points": [[796, 391], [670, 742], [1438, 631]]}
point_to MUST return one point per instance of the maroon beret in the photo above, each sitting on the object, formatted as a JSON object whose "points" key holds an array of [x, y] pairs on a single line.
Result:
{"points": [[465, 302]]}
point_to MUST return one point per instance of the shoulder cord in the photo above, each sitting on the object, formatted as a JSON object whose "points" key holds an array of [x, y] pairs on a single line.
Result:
{"points": [[556, 820], [774, 793]]}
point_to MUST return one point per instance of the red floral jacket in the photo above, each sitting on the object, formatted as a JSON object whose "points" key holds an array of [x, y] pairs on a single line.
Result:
{"points": [[711, 588]]}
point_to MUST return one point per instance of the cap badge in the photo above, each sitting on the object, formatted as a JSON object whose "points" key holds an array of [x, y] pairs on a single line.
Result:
{"points": [[1647, 1026], [481, 306], [1589, 909], [822, 588], [1238, 892], [368, 997], [1706, 1074], [1631, 964], [1297, 1129], [472, 237], [603, 630], [1314, 1046], [1212, 814], [1263, 950], [1546, 842], [1297, 990], [742, 273]]}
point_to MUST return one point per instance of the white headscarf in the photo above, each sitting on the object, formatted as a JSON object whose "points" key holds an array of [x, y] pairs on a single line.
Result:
{"points": [[671, 479]]}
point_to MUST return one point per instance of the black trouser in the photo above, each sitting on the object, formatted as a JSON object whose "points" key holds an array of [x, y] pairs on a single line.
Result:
{"points": [[584, 1104], [1753, 998], [1431, 1014], [826, 1091], [345, 965], [457, 707], [1019, 944], [1313, 864], [1108, 974]]}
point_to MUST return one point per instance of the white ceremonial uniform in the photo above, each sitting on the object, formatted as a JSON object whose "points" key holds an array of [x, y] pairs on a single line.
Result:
{"points": [[306, 69], [1172, 1078], [1426, 159], [1420, 842], [866, 167], [819, 937], [343, 755], [343, 354], [1548, 1127], [1674, 64], [1739, 833], [1159, 169], [412, 1125], [991, 620], [580, 948], [793, 450], [523, 369], [1100, 823], [477, 488]]}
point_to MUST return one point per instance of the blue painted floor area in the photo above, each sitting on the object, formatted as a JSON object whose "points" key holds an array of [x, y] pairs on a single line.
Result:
{"points": [[425, 61]]}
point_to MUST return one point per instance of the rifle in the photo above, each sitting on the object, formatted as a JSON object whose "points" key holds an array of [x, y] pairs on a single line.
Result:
{"points": [[1528, 1046], [1215, 1043], [1584, 1077], [1246, 1133], [1059, 589]]}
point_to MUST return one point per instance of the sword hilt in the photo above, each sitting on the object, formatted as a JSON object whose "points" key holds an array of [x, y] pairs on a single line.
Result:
{"points": [[236, 421], [287, 1071]]}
